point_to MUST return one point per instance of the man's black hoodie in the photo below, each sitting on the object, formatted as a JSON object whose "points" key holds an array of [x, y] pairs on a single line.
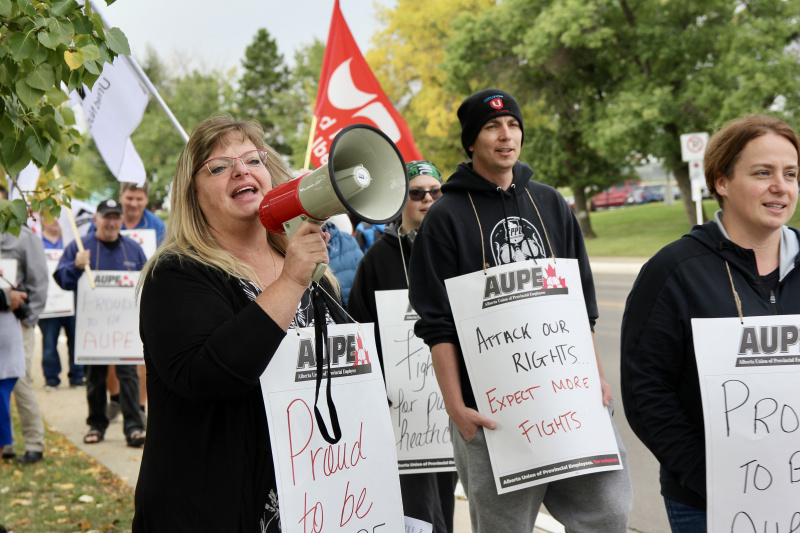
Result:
{"points": [[449, 244]]}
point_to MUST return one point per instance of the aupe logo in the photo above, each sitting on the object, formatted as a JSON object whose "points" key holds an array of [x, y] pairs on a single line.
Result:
{"points": [[348, 356], [115, 280], [522, 284]]}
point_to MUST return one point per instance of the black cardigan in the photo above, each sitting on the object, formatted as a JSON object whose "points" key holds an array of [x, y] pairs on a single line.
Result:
{"points": [[207, 464]]}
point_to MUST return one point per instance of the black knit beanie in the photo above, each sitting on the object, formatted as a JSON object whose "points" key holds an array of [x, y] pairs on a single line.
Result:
{"points": [[477, 109]]}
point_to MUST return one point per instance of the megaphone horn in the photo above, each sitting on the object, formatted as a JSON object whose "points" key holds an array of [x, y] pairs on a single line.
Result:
{"points": [[365, 175]]}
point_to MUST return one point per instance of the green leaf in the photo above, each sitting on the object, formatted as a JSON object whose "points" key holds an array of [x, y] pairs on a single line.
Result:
{"points": [[74, 59], [118, 42], [22, 44], [97, 22], [39, 148], [40, 55], [49, 39], [14, 155], [61, 8], [83, 40], [105, 55], [90, 52], [68, 115], [92, 68], [42, 77], [75, 78], [81, 25], [28, 95], [20, 209], [56, 96], [5, 8], [61, 27]]}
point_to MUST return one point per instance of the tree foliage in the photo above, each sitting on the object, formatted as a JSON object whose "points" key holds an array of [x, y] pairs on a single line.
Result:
{"points": [[407, 57], [617, 81], [45, 45], [265, 77]]}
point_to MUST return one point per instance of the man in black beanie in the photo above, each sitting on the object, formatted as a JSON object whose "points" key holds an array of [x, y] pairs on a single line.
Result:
{"points": [[492, 213]]}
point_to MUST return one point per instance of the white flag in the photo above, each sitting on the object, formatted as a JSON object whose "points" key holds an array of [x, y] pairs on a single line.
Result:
{"points": [[114, 108], [26, 180]]}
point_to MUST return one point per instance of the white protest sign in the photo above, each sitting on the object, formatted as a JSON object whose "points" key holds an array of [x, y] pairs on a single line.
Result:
{"points": [[107, 320], [59, 302], [8, 271], [417, 526], [528, 348], [352, 485], [751, 407], [420, 422], [146, 238]]}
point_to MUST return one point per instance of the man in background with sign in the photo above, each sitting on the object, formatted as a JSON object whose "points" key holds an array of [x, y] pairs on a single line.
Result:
{"points": [[106, 249], [426, 496], [492, 214]]}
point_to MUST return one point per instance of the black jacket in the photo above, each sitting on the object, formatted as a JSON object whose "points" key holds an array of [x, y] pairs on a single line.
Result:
{"points": [[207, 465], [448, 245], [381, 269], [660, 386]]}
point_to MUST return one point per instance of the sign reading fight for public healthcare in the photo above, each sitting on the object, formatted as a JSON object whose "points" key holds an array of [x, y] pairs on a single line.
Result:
{"points": [[107, 319], [352, 485], [146, 238], [420, 422], [528, 348], [59, 302], [748, 380]]}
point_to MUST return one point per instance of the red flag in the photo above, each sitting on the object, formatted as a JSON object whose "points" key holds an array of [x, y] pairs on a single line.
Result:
{"points": [[349, 94]]}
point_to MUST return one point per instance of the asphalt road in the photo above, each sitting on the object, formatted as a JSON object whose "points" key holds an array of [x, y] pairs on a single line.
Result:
{"points": [[648, 514]]}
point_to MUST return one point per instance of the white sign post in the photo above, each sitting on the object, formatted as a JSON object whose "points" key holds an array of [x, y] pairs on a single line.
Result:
{"points": [[748, 379], [107, 320], [693, 150], [59, 302], [525, 337], [420, 422], [352, 485]]}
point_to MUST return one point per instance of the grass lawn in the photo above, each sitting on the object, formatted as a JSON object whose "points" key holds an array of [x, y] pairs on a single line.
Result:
{"points": [[66, 492], [642, 230]]}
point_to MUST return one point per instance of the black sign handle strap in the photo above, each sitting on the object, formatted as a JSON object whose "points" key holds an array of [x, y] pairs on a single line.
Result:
{"points": [[321, 343]]}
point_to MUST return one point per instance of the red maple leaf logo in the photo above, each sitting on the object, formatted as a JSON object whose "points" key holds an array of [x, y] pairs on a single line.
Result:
{"points": [[552, 280], [362, 357]]}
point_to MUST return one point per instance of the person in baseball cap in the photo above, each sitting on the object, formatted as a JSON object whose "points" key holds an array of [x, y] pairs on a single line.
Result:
{"points": [[109, 206], [476, 110]]}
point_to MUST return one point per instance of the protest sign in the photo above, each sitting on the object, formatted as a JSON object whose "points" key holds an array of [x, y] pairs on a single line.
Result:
{"points": [[107, 320], [146, 238], [8, 271], [59, 302], [420, 422], [528, 348], [417, 526], [748, 374], [352, 485]]}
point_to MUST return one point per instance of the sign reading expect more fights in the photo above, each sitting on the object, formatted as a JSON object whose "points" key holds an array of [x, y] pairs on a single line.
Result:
{"points": [[525, 337]]}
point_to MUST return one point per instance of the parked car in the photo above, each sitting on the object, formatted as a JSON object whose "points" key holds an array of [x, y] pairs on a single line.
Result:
{"points": [[645, 195], [614, 196]]}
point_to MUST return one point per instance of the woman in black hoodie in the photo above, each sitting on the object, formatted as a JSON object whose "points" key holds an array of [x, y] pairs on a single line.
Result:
{"points": [[751, 168]]}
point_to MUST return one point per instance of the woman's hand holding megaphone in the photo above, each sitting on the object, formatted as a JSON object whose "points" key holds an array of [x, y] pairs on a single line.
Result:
{"points": [[306, 249]]}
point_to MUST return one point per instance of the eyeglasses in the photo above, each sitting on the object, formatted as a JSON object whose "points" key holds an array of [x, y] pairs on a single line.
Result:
{"points": [[419, 194], [218, 166]]}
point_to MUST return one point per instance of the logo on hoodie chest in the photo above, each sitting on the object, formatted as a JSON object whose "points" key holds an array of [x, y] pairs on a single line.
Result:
{"points": [[514, 239]]}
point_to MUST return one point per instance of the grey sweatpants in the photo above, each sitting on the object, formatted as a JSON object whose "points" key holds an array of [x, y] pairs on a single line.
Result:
{"points": [[30, 417], [584, 504]]}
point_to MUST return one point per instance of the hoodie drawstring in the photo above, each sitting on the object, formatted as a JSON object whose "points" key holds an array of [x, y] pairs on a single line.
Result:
{"points": [[505, 222], [735, 294]]}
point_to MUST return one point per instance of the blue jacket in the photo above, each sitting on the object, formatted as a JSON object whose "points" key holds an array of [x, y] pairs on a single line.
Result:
{"points": [[345, 254], [127, 256]]}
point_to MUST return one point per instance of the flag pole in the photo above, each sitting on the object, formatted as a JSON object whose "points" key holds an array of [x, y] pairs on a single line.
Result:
{"points": [[149, 84], [310, 140], [78, 240]]}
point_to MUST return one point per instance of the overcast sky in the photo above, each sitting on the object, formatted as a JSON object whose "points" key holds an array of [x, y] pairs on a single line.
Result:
{"points": [[214, 34]]}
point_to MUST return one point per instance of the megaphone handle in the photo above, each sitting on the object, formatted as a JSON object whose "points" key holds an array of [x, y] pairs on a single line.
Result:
{"points": [[319, 272]]}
